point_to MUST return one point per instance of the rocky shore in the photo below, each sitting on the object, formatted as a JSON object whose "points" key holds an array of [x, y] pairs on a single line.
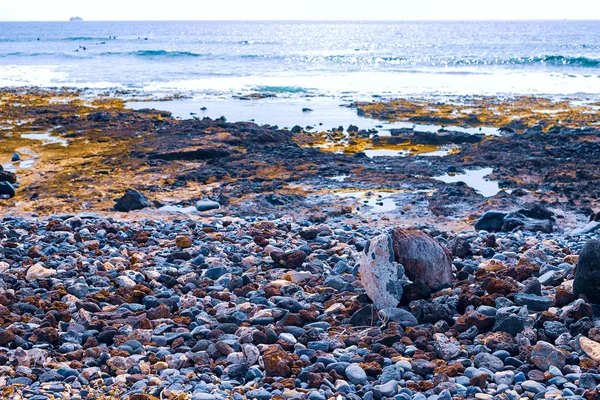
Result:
{"points": [[260, 308], [144, 257]]}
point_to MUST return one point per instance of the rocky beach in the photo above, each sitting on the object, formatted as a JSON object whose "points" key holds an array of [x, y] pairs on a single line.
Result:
{"points": [[148, 257]]}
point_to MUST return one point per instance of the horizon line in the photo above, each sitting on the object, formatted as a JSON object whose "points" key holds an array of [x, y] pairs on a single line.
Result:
{"points": [[317, 20]]}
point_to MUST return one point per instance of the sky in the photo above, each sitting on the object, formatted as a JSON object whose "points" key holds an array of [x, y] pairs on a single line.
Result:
{"points": [[109, 10]]}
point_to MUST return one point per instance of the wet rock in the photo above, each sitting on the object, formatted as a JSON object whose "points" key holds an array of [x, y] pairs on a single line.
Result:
{"points": [[587, 276], [6, 188], [206, 205], [132, 200], [6, 176], [516, 220], [491, 221]]}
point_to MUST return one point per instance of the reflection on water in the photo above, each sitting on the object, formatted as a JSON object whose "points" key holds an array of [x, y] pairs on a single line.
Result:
{"points": [[421, 150], [339, 178], [475, 179], [46, 138], [376, 201], [325, 114], [179, 209]]}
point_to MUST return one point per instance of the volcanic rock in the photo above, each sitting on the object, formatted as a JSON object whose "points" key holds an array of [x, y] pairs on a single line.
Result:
{"points": [[423, 258], [587, 276], [380, 275], [132, 200]]}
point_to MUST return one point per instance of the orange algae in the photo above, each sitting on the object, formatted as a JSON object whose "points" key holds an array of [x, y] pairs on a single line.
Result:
{"points": [[516, 113]]}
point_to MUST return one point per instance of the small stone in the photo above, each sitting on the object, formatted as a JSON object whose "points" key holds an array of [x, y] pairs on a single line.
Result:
{"points": [[38, 271], [206, 205], [489, 361], [388, 389], [533, 302], [402, 317], [533, 386], [504, 377], [544, 355], [183, 242], [591, 348], [445, 348], [356, 374]]}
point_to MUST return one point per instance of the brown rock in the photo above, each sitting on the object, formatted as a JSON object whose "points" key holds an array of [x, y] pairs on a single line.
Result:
{"points": [[423, 258], [276, 361], [591, 348], [183, 242], [6, 337], [473, 318], [160, 312], [504, 286], [562, 297], [499, 339], [544, 355]]}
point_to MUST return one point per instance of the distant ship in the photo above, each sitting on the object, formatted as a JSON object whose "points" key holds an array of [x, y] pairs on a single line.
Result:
{"points": [[76, 19]]}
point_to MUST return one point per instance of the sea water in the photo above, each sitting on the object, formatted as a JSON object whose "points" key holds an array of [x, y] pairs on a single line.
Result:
{"points": [[316, 65]]}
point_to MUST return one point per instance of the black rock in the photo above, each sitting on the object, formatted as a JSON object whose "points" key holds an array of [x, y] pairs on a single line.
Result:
{"points": [[587, 275], [366, 316], [205, 205], [6, 176], [132, 200], [511, 323], [7, 188], [491, 221], [460, 247], [15, 157], [516, 220], [417, 290]]}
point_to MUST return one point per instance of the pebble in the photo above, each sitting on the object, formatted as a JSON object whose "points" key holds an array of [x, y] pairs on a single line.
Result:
{"points": [[149, 307]]}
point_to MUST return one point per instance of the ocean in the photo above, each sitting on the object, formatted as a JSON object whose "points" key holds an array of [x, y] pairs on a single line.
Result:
{"points": [[213, 61]]}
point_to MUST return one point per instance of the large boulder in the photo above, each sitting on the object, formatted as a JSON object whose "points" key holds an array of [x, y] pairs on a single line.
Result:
{"points": [[380, 275], [424, 259], [587, 276], [390, 260], [132, 200]]}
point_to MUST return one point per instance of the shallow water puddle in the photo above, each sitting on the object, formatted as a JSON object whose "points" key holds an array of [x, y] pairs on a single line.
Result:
{"points": [[46, 138], [377, 201], [179, 209], [424, 151], [324, 113], [474, 179], [339, 178]]}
